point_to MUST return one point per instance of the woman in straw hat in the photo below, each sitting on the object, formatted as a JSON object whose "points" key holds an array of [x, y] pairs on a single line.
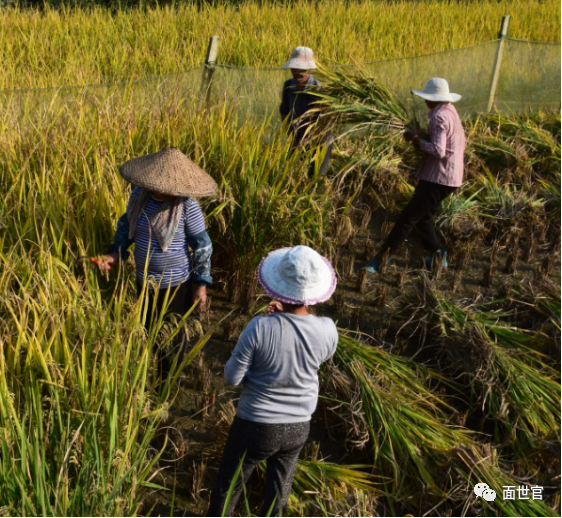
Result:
{"points": [[439, 175], [164, 221], [276, 360]]}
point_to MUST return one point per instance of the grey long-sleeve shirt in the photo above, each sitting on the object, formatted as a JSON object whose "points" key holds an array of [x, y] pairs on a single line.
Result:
{"points": [[277, 360]]}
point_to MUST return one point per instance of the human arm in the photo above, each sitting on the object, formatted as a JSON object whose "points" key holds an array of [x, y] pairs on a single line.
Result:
{"points": [[332, 340], [199, 242], [437, 144], [284, 108], [242, 356], [121, 242]]}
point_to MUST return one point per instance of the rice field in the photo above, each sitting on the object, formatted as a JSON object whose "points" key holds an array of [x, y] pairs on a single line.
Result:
{"points": [[65, 46], [441, 380]]}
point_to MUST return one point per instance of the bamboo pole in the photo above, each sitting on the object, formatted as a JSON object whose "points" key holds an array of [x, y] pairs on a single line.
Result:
{"points": [[209, 70], [498, 61]]}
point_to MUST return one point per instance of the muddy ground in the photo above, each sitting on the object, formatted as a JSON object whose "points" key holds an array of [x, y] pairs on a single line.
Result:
{"points": [[380, 311]]}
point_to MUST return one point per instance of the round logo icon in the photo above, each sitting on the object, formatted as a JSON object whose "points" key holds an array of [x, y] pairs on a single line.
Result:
{"points": [[489, 495], [479, 488]]}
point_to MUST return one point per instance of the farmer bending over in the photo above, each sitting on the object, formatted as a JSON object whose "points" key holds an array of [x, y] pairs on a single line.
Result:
{"points": [[439, 175], [163, 220], [277, 359]]}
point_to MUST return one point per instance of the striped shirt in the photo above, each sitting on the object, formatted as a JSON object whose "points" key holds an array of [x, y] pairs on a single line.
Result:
{"points": [[172, 267], [444, 160]]}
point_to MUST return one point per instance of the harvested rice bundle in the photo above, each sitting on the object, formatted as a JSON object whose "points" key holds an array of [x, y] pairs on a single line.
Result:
{"points": [[412, 440], [406, 421], [359, 101], [507, 374]]}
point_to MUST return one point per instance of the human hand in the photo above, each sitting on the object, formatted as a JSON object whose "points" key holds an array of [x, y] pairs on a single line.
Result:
{"points": [[200, 292], [410, 134], [274, 307], [105, 262]]}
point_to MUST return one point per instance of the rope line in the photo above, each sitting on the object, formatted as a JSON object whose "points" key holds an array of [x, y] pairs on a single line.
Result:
{"points": [[265, 69]]}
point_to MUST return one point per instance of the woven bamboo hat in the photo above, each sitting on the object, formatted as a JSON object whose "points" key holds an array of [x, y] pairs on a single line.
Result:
{"points": [[168, 172]]}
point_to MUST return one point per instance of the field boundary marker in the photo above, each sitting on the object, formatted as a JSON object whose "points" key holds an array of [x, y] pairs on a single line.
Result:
{"points": [[498, 61]]}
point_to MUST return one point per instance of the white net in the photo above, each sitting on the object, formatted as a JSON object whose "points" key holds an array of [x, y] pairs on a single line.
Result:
{"points": [[529, 78]]}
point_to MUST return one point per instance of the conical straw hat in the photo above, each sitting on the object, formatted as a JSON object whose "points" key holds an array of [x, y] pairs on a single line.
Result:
{"points": [[168, 172]]}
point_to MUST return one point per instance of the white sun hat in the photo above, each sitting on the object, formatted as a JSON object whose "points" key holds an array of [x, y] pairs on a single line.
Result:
{"points": [[302, 58], [297, 275], [437, 90]]}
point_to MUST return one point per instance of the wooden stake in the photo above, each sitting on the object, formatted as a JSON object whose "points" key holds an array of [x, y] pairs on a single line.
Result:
{"points": [[209, 70], [498, 61]]}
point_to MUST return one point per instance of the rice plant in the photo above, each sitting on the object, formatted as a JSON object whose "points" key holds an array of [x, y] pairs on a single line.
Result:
{"points": [[78, 404], [403, 417], [266, 199], [505, 203], [359, 102], [418, 455], [542, 300], [509, 377], [81, 43]]}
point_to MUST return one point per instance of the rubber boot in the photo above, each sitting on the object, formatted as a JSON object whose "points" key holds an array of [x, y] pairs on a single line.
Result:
{"points": [[374, 264]]}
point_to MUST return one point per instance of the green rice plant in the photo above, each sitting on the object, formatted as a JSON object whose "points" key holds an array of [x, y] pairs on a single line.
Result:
{"points": [[523, 152], [54, 45], [538, 133], [505, 204], [405, 420], [495, 152], [78, 407], [549, 191], [359, 102], [266, 199], [542, 299], [507, 375], [417, 453], [459, 217], [312, 475]]}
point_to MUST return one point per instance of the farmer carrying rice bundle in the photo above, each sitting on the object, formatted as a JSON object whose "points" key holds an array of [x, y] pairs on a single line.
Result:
{"points": [[277, 359], [164, 221], [439, 175], [298, 98]]}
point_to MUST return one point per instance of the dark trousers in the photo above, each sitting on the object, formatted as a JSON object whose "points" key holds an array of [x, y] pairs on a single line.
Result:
{"points": [[280, 444], [419, 214], [180, 300]]}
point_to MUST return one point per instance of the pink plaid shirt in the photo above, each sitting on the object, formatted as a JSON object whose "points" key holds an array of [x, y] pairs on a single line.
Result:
{"points": [[444, 154]]}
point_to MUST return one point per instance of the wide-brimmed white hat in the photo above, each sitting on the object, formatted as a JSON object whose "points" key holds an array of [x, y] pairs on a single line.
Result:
{"points": [[297, 275], [302, 58], [437, 90]]}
